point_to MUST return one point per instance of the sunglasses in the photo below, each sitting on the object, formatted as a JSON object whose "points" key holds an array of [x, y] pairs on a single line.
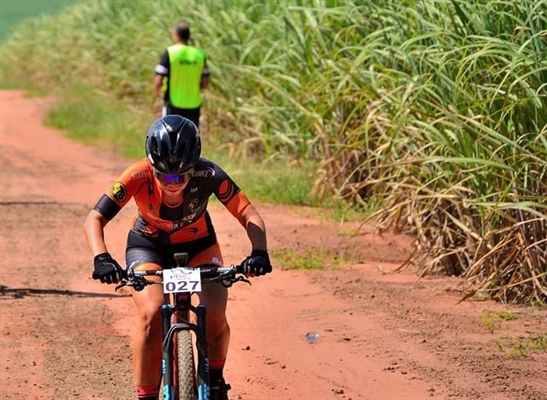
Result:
{"points": [[173, 179]]}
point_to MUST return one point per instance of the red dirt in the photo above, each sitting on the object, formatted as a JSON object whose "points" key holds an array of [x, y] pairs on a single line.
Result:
{"points": [[383, 336]]}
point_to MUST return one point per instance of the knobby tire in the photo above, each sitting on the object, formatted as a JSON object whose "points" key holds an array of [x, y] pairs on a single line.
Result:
{"points": [[186, 372]]}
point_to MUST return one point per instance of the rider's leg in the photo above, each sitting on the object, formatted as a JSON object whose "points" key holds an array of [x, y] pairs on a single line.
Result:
{"points": [[147, 338], [214, 297]]}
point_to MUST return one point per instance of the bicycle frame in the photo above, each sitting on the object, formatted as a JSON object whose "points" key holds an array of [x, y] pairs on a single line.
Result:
{"points": [[175, 314], [182, 302]]}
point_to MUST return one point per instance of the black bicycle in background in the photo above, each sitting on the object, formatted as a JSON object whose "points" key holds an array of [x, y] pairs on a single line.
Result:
{"points": [[181, 380]]}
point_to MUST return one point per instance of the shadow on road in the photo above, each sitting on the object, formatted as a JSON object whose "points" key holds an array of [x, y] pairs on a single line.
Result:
{"points": [[19, 293]]}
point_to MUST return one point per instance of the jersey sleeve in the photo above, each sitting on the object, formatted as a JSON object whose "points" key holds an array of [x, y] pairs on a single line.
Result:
{"points": [[229, 194], [122, 190], [238, 204], [163, 66]]}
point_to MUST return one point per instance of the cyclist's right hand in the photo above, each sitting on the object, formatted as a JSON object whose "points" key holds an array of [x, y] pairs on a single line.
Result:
{"points": [[107, 270]]}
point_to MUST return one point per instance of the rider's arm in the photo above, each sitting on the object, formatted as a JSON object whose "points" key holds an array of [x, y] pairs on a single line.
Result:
{"points": [[237, 203], [255, 227], [258, 262], [110, 204], [94, 232], [242, 209]]}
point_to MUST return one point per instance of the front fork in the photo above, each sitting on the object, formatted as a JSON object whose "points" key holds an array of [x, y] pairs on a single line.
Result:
{"points": [[168, 345]]}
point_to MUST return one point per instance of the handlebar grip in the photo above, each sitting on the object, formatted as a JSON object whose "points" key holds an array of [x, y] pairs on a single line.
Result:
{"points": [[242, 269]]}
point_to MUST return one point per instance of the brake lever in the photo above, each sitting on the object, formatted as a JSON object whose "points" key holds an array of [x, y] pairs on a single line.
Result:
{"points": [[229, 282], [136, 284], [243, 279]]}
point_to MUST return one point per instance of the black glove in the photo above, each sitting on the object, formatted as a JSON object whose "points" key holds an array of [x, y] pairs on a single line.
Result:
{"points": [[258, 263], [107, 270]]}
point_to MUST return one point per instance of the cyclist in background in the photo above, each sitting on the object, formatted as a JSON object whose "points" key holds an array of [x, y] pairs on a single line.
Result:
{"points": [[184, 68], [171, 188]]}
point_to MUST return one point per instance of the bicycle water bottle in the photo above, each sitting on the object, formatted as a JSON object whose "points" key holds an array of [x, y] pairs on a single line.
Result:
{"points": [[312, 337]]}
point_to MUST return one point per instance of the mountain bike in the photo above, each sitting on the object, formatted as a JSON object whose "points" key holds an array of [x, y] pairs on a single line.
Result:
{"points": [[181, 380]]}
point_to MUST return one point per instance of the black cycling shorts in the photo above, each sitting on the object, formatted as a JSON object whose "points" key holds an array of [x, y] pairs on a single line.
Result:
{"points": [[141, 249]]}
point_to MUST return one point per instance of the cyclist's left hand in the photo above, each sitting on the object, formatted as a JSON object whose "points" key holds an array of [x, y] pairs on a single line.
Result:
{"points": [[258, 263]]}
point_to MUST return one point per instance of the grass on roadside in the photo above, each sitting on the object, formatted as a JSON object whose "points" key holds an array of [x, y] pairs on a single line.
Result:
{"points": [[268, 181], [306, 260], [518, 346], [104, 122], [492, 320], [522, 346], [314, 259]]}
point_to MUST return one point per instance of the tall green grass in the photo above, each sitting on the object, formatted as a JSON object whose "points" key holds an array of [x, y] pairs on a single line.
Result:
{"points": [[432, 112], [14, 12]]}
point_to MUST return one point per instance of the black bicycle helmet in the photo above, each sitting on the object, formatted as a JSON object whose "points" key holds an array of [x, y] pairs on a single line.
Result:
{"points": [[173, 145]]}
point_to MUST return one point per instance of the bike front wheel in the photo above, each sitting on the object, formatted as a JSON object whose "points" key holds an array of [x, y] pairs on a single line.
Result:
{"points": [[186, 371]]}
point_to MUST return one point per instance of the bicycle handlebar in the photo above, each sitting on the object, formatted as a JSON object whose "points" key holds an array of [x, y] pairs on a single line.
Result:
{"points": [[210, 273]]}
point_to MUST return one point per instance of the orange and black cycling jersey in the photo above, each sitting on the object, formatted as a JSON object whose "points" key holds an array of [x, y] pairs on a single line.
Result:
{"points": [[185, 222]]}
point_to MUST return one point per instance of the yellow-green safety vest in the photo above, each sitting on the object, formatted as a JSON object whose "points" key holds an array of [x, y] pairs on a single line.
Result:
{"points": [[186, 65]]}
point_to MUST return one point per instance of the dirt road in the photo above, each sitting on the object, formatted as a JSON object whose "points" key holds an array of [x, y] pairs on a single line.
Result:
{"points": [[383, 336]]}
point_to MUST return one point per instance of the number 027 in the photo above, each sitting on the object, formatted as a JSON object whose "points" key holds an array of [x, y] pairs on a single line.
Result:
{"points": [[181, 286]]}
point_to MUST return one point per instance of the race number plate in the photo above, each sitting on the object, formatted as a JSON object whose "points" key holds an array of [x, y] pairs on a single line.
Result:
{"points": [[181, 280]]}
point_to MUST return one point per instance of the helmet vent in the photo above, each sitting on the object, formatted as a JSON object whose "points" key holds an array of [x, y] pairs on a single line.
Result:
{"points": [[173, 144]]}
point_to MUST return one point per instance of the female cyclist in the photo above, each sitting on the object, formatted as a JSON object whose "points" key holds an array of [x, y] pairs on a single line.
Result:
{"points": [[171, 188]]}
